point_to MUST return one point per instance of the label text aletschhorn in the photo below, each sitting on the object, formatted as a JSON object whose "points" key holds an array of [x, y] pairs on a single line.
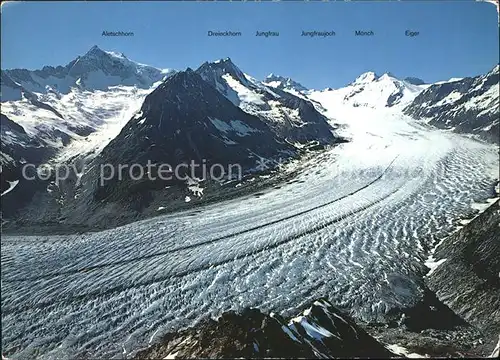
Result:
{"points": [[117, 33]]}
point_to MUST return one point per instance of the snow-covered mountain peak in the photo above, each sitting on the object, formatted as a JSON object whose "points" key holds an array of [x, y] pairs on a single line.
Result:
{"points": [[226, 60], [97, 69], [386, 77], [96, 52], [210, 71], [495, 70], [198, 121], [110, 63], [98, 58], [366, 77], [288, 112], [225, 64], [284, 83], [374, 91], [388, 74], [76, 109]]}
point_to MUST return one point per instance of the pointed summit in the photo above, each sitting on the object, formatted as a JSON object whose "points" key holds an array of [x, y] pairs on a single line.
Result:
{"points": [[102, 65], [283, 83], [371, 90], [95, 50], [212, 71], [225, 64], [224, 61], [366, 77], [390, 75], [96, 69]]}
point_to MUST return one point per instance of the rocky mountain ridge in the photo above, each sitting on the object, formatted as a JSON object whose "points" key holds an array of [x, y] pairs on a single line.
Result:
{"points": [[291, 117], [188, 116], [95, 70], [469, 105]]}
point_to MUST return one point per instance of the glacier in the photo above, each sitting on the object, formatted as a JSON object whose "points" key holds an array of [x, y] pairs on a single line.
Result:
{"points": [[356, 227]]}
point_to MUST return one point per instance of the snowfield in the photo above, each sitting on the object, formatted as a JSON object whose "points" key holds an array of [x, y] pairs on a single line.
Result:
{"points": [[357, 227], [103, 113]]}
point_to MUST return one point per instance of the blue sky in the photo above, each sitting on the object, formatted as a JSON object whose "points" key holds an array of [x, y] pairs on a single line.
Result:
{"points": [[457, 38]]}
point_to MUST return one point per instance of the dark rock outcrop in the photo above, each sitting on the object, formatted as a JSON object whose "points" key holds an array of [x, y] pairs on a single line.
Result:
{"points": [[290, 117], [321, 332], [468, 280], [17, 150], [184, 120]]}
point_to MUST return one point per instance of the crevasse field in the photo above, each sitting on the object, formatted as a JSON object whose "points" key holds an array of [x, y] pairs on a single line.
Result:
{"points": [[356, 227]]}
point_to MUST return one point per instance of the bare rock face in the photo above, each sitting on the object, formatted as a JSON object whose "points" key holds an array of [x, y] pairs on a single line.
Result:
{"points": [[468, 280], [284, 83], [290, 117], [322, 331]]}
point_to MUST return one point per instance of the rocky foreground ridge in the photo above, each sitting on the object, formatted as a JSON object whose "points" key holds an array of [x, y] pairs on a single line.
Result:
{"points": [[321, 331], [468, 280]]}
